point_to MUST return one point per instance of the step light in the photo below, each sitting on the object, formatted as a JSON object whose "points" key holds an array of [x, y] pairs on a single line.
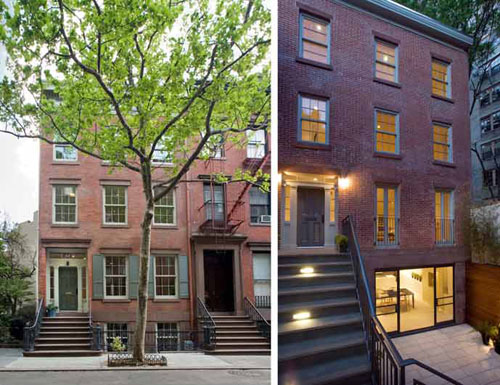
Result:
{"points": [[302, 315], [307, 270]]}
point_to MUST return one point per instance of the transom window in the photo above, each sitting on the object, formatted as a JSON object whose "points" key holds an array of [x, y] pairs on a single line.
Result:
{"points": [[256, 145], [387, 131], [313, 125], [442, 143], [387, 220], [386, 61], [441, 85], [314, 39], [166, 276], [115, 275], [444, 217], [164, 212], [119, 330], [168, 336], [65, 152], [115, 204], [260, 206], [64, 210]]}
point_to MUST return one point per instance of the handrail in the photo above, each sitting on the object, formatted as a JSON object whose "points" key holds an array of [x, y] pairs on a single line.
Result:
{"points": [[31, 332], [256, 316], [208, 324], [392, 370]]}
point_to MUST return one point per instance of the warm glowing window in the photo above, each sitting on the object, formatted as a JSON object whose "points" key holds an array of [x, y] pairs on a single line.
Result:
{"points": [[444, 217], [387, 130], [332, 205], [315, 39], [313, 120], [441, 78], [386, 61], [287, 203], [386, 220], [442, 143]]}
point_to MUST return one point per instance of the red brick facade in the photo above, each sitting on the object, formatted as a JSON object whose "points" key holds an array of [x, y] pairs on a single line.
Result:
{"points": [[353, 94]]}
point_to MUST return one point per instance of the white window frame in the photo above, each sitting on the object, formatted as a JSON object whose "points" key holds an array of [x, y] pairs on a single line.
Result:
{"points": [[377, 130], [396, 59], [450, 142], [54, 187], [104, 206], [178, 336], [157, 161], [176, 262], [106, 296], [173, 191], [254, 146], [63, 160]]}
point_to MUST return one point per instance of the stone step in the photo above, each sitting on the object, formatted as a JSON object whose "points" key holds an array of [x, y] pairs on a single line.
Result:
{"points": [[67, 346], [240, 346], [318, 267], [301, 280], [298, 326], [318, 308], [312, 292], [239, 352], [68, 340]]}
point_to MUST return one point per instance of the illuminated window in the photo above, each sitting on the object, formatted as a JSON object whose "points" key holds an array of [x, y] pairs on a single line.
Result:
{"points": [[442, 143], [444, 217], [387, 220], [386, 61], [332, 205], [287, 203], [313, 120], [441, 85], [314, 39], [387, 131]]}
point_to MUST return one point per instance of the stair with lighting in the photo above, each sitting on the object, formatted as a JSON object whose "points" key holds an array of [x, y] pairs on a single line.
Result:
{"points": [[320, 333]]}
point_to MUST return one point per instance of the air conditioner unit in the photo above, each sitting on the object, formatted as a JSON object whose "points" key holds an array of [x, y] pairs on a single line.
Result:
{"points": [[265, 219]]}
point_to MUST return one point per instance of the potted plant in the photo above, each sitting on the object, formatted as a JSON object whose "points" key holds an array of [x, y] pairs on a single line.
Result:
{"points": [[341, 241], [487, 330], [495, 337], [51, 310]]}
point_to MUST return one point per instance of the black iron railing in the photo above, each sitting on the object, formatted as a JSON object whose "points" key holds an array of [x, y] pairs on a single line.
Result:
{"points": [[386, 231], [207, 324], [262, 324], [31, 332], [388, 367], [96, 339], [263, 301], [445, 231]]}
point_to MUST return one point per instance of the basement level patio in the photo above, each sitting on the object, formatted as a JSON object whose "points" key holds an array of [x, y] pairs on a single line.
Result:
{"points": [[456, 351]]}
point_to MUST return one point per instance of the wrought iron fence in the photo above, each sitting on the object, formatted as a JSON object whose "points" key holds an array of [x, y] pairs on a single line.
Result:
{"points": [[445, 231], [386, 231], [262, 324], [263, 301], [207, 324], [31, 332]]}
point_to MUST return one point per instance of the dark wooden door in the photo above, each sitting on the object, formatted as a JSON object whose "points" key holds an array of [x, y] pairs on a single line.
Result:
{"points": [[68, 288], [219, 283], [310, 217]]}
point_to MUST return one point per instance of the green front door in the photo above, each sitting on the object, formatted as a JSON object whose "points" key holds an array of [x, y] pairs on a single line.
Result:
{"points": [[68, 288]]}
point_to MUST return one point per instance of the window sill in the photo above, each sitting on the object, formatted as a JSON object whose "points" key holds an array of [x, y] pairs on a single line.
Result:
{"points": [[313, 146], [166, 300], [443, 98], [382, 247], [387, 82], [165, 227], [313, 63], [387, 155], [66, 163], [118, 300], [71, 225], [260, 224], [444, 164], [162, 165], [440, 245], [115, 226]]}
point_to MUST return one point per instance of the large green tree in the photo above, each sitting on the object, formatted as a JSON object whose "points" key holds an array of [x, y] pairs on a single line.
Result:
{"points": [[129, 79]]}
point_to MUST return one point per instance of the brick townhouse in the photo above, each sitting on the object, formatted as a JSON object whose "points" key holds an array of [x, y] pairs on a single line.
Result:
{"points": [[373, 124], [209, 241]]}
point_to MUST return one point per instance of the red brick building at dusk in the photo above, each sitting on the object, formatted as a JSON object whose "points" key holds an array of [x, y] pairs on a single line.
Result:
{"points": [[209, 241]]}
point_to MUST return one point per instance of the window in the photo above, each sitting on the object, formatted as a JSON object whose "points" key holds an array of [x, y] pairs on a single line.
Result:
{"points": [[115, 204], [164, 212], [495, 94], [441, 85], [495, 118], [115, 276], [65, 152], [495, 66], [161, 155], [386, 220], [313, 125], [444, 217], [287, 203], [387, 131], [217, 150], [64, 210], [332, 206], [166, 276], [487, 151], [489, 178], [386, 61], [119, 330], [484, 99], [262, 279], [485, 125], [314, 39], [260, 206], [256, 145], [442, 143], [214, 201], [167, 337]]}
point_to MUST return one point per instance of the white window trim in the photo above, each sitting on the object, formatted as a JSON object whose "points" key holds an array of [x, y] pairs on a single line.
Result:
{"points": [[126, 280], [104, 206], [450, 142], [176, 261], [396, 114], [63, 160], [255, 145], [175, 212], [156, 161], [178, 335], [54, 205]]}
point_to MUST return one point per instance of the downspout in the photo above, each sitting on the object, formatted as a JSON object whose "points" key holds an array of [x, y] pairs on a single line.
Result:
{"points": [[190, 256]]}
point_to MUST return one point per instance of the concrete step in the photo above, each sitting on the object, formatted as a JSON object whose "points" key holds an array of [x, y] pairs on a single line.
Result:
{"points": [[300, 280], [241, 340], [318, 267], [63, 334], [311, 258], [316, 292], [51, 328], [236, 327], [67, 346], [236, 333], [62, 353], [230, 317], [318, 308], [239, 352], [242, 346], [65, 318], [301, 326], [62, 341], [234, 323], [58, 323]]}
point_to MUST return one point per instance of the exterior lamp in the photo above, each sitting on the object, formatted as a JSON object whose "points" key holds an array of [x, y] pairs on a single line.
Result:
{"points": [[344, 182], [302, 315]]}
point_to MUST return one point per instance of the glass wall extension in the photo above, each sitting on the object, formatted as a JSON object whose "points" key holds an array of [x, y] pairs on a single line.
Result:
{"points": [[425, 298]]}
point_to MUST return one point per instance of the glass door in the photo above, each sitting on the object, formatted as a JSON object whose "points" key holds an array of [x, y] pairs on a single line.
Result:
{"points": [[386, 301], [444, 294], [417, 298]]}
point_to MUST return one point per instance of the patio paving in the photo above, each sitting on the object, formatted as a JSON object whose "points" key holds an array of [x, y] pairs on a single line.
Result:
{"points": [[456, 351]]}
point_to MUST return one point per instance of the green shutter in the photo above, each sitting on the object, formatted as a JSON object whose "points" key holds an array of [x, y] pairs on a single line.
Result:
{"points": [[97, 276], [151, 284], [183, 277], [133, 281]]}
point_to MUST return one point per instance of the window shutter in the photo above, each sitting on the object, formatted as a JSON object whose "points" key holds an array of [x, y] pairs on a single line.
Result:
{"points": [[97, 276], [151, 284], [183, 277], [133, 280]]}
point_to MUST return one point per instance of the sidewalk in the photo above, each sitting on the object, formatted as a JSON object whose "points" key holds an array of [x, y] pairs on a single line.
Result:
{"points": [[12, 360]]}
